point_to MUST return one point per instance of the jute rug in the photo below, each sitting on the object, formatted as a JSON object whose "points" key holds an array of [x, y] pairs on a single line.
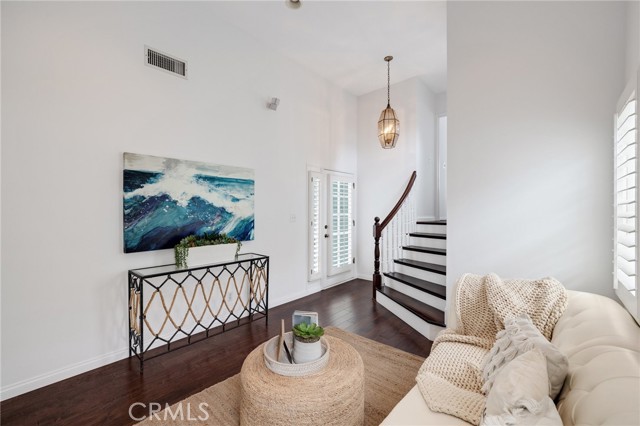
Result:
{"points": [[389, 374]]}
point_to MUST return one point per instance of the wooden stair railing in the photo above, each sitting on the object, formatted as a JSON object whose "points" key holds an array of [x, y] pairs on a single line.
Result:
{"points": [[378, 227]]}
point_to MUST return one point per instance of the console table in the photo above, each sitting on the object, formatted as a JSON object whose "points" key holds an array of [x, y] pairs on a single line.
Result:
{"points": [[171, 307]]}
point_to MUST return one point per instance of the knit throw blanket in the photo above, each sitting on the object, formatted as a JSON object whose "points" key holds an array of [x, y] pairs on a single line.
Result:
{"points": [[451, 377]]}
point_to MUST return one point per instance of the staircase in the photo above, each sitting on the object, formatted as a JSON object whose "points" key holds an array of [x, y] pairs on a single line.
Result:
{"points": [[415, 291], [412, 284]]}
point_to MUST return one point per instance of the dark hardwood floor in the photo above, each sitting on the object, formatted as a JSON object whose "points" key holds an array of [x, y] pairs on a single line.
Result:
{"points": [[103, 396]]}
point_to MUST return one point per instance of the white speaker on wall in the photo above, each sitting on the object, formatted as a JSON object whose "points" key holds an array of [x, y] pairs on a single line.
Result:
{"points": [[273, 104]]}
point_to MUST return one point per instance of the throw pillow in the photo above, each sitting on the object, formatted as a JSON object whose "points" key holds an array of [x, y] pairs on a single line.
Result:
{"points": [[519, 395], [520, 336]]}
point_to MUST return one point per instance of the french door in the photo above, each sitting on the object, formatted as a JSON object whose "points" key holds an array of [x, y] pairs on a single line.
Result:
{"points": [[331, 227]]}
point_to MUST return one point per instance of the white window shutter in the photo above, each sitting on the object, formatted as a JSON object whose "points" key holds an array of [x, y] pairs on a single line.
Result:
{"points": [[625, 265], [315, 226], [341, 225]]}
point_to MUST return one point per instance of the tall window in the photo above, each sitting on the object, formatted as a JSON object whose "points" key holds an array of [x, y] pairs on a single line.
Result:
{"points": [[626, 197]]}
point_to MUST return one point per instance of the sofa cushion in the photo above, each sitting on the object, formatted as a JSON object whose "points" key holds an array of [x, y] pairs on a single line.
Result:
{"points": [[518, 337], [412, 411], [520, 394], [602, 342]]}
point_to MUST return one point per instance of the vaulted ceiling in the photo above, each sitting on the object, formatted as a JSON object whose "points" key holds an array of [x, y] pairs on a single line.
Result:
{"points": [[346, 41]]}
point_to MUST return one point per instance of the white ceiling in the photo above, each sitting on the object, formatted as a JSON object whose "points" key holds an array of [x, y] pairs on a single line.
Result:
{"points": [[346, 41]]}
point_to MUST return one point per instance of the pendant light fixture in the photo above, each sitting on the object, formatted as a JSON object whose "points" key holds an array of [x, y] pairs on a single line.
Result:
{"points": [[388, 124]]}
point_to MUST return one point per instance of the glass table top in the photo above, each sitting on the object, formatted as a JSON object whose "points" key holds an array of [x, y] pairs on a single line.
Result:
{"points": [[172, 268]]}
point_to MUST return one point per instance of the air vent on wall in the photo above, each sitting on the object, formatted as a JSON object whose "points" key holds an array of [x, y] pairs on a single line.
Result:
{"points": [[165, 62]]}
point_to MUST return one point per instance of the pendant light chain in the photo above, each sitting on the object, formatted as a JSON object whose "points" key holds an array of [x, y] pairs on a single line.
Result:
{"points": [[388, 83]]}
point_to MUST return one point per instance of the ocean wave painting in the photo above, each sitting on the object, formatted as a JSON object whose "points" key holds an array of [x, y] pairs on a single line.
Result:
{"points": [[166, 200]]}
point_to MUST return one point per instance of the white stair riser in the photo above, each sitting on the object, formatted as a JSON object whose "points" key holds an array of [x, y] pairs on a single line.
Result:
{"points": [[438, 259], [429, 331], [432, 229], [428, 242], [420, 273], [419, 295]]}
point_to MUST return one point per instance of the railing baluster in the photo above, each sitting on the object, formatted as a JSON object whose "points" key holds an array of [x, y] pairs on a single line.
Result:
{"points": [[387, 253], [385, 250], [405, 220], [402, 221], [394, 243]]}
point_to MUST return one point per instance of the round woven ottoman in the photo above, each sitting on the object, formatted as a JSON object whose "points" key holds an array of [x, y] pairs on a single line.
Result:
{"points": [[333, 396]]}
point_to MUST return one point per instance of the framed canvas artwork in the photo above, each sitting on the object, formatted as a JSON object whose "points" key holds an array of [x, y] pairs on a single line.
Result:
{"points": [[166, 200]]}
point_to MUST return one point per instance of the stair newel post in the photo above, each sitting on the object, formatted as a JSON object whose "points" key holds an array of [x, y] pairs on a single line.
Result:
{"points": [[377, 278]]}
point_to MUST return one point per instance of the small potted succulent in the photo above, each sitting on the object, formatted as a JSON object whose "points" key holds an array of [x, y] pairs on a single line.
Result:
{"points": [[307, 346]]}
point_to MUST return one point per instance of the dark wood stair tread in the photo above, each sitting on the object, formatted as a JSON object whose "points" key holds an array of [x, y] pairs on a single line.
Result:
{"points": [[433, 289], [431, 267], [428, 235], [421, 310], [429, 250], [432, 222]]}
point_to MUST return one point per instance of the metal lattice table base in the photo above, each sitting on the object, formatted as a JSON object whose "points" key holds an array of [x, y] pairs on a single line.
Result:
{"points": [[189, 304]]}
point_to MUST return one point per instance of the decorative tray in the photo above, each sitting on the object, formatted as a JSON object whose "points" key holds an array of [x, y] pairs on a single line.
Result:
{"points": [[283, 367]]}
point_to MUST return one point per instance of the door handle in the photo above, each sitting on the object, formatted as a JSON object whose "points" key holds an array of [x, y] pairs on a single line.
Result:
{"points": [[326, 235]]}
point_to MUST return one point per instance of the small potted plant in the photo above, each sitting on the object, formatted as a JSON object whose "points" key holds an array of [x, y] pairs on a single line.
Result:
{"points": [[205, 248], [307, 346]]}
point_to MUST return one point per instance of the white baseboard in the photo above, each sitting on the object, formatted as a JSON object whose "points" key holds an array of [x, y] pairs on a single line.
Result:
{"points": [[290, 298], [24, 386], [339, 281], [366, 277], [27, 385], [311, 288]]}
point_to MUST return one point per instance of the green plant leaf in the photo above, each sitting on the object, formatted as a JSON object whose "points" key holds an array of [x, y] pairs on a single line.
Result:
{"points": [[308, 331]]}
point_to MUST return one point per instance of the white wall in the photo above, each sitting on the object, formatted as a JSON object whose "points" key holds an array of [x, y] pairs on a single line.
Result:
{"points": [[633, 39], [426, 139], [384, 173], [441, 103], [76, 96], [531, 93]]}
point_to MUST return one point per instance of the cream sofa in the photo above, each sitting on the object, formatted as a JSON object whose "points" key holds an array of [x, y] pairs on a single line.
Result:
{"points": [[602, 342]]}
